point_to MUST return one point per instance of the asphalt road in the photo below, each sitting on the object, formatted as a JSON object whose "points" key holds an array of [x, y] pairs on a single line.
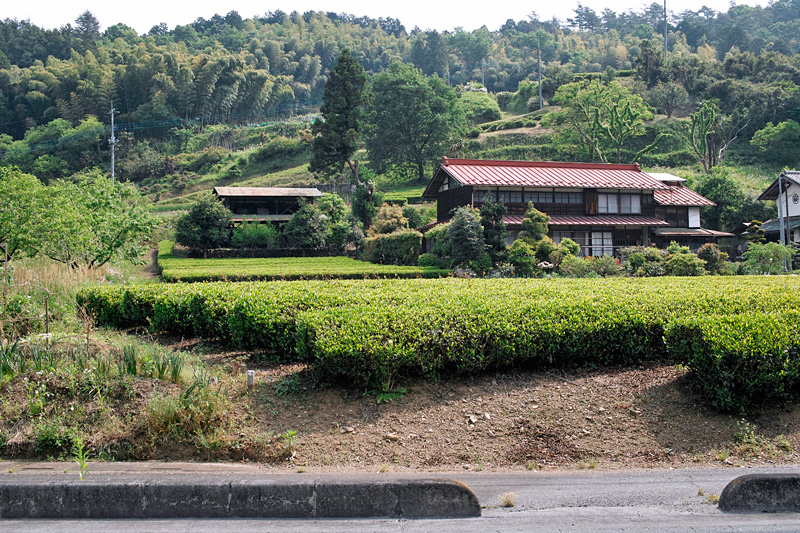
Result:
{"points": [[584, 501]]}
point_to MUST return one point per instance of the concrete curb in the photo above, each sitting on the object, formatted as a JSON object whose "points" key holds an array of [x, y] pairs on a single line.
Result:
{"points": [[435, 498], [754, 493]]}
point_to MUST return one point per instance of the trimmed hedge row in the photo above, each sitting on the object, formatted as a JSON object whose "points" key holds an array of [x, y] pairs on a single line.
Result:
{"points": [[286, 268], [741, 360], [371, 333]]}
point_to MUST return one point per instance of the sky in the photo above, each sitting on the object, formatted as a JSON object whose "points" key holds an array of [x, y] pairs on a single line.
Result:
{"points": [[428, 14]]}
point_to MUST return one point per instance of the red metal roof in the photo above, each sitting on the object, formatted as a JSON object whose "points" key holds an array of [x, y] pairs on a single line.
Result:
{"points": [[543, 174], [293, 192], [592, 220], [681, 196], [691, 232]]}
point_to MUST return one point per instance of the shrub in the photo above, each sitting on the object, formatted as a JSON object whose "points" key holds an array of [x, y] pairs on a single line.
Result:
{"points": [[605, 266], [428, 260], [481, 265], [643, 261], [255, 235], [574, 267], [767, 258], [521, 257], [682, 264], [363, 208], [440, 240], [398, 248]]}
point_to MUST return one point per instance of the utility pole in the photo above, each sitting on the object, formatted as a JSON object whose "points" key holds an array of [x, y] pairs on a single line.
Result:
{"points": [[539, 70], [665, 33], [112, 141]]}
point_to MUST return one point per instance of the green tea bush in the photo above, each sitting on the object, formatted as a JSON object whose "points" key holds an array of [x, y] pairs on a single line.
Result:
{"points": [[371, 333], [740, 360]]}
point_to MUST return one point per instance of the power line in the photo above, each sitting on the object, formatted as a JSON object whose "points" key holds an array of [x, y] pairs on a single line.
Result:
{"points": [[151, 125]]}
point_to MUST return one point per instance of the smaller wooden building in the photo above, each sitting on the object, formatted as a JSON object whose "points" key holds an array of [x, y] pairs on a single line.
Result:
{"points": [[273, 204]]}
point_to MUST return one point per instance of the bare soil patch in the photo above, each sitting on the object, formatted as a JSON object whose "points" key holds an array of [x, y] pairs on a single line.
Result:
{"points": [[648, 416]]}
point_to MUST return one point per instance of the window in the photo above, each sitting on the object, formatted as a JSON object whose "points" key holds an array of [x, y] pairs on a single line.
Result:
{"points": [[602, 243], [630, 203], [567, 197], [480, 196], [539, 197], [511, 196], [580, 237], [619, 203]]}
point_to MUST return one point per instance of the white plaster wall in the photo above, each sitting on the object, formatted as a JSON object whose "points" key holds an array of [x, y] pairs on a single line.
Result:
{"points": [[794, 208], [694, 217]]}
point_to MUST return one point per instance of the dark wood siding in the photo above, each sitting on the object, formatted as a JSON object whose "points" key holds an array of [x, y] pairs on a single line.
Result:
{"points": [[450, 199]]}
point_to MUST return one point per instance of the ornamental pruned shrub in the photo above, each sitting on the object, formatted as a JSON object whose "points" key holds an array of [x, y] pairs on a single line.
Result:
{"points": [[398, 248]]}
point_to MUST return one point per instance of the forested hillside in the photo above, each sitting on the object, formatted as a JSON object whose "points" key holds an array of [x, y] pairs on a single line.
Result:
{"points": [[169, 85]]}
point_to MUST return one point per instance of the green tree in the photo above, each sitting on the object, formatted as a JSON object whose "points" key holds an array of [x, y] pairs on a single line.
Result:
{"points": [[390, 219], [363, 206], [414, 119], [466, 236], [605, 116], [307, 229], [338, 131], [714, 258], [767, 258], [90, 220], [206, 225], [535, 224], [779, 144], [668, 97], [494, 229], [22, 195]]}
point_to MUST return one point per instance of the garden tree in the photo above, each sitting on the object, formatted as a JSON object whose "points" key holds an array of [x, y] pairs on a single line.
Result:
{"points": [[338, 131], [767, 258], [779, 144], [90, 220], [606, 115], [714, 258], [755, 233], [390, 219], [416, 217], [466, 236], [339, 221], [413, 120], [307, 229], [534, 224], [206, 225], [494, 229], [255, 235], [733, 206], [521, 256], [668, 97], [364, 205], [22, 195]]}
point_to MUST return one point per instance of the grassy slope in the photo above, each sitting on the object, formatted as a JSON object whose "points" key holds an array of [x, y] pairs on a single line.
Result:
{"points": [[529, 143]]}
